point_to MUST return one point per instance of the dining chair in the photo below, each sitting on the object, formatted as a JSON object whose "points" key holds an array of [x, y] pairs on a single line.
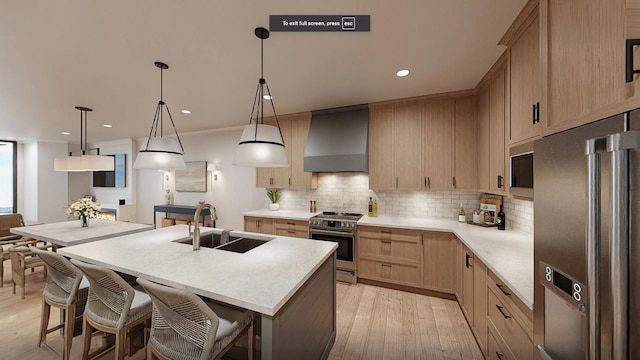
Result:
{"points": [[185, 327], [113, 306], [22, 259], [7, 239], [66, 289]]}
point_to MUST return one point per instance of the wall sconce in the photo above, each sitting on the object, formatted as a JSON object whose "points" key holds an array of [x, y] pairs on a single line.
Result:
{"points": [[213, 169]]}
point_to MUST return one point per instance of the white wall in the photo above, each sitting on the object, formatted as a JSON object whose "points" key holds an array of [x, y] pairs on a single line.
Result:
{"points": [[232, 194], [44, 191], [112, 196]]}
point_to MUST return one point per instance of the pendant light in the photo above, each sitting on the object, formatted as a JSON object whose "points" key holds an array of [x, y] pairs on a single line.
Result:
{"points": [[158, 152], [84, 162], [261, 145]]}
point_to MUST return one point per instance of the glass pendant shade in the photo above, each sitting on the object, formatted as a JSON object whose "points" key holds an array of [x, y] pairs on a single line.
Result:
{"points": [[261, 146], [160, 154], [84, 162]]}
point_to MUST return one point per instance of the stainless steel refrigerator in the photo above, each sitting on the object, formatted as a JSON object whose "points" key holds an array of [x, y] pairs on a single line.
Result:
{"points": [[586, 241]]}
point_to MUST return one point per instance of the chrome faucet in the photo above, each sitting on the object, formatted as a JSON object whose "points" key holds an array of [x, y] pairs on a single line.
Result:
{"points": [[196, 216]]}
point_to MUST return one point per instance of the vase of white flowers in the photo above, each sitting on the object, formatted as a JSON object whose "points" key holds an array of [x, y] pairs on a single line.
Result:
{"points": [[84, 208]]}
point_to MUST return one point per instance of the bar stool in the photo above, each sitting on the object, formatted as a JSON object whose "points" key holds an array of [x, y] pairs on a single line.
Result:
{"points": [[66, 289], [185, 327], [22, 259], [113, 306]]}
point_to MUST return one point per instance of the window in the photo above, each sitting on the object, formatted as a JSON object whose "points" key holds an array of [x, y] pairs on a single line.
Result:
{"points": [[8, 176]]}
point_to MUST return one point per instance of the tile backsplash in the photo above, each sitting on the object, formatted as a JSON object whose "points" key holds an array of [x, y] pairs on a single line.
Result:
{"points": [[349, 192]]}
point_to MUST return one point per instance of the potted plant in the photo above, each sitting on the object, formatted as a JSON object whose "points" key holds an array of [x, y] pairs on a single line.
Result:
{"points": [[274, 195]]}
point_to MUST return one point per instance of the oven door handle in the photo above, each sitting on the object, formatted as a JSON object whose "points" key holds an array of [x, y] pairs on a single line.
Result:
{"points": [[331, 232]]}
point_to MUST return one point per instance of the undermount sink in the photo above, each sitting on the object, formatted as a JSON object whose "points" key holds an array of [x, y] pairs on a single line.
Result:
{"points": [[208, 240], [241, 245]]}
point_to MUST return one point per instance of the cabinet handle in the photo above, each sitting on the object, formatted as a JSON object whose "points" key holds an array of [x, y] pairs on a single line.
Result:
{"points": [[500, 356], [290, 223], [385, 265], [270, 181], [533, 115], [425, 182], [499, 181], [502, 312], [385, 242], [396, 182], [385, 231], [422, 239], [291, 231], [501, 287], [536, 113], [453, 181], [467, 260], [257, 223], [629, 59], [428, 182]]}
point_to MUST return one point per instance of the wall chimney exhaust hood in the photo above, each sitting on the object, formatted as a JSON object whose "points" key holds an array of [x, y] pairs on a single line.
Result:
{"points": [[337, 140]]}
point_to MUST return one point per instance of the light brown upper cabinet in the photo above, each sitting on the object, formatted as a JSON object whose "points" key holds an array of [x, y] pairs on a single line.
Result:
{"points": [[583, 50], [294, 128], [524, 60], [496, 132], [424, 144], [407, 144], [484, 142], [465, 142], [437, 145]]}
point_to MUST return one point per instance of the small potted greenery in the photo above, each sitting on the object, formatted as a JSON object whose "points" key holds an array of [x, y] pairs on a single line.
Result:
{"points": [[274, 195]]}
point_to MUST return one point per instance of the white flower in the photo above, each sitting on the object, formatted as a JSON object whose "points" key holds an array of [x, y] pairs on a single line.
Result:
{"points": [[84, 207]]}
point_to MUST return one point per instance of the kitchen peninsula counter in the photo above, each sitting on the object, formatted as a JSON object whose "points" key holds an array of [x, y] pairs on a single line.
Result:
{"points": [[283, 278], [508, 254]]}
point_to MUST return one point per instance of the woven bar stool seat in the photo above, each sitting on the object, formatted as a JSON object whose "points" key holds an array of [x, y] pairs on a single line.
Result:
{"points": [[113, 306], [66, 289], [184, 327]]}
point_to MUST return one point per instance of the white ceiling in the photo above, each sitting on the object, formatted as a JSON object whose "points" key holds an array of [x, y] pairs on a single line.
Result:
{"points": [[100, 54]]}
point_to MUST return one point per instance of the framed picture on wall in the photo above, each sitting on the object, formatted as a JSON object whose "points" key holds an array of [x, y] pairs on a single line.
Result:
{"points": [[193, 178]]}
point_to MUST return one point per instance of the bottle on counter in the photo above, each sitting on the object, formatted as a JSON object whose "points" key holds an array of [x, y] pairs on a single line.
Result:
{"points": [[375, 208], [461, 215], [370, 206], [501, 219]]}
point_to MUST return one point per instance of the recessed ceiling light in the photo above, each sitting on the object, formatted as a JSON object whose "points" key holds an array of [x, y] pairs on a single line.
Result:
{"points": [[185, 111], [107, 125], [402, 73], [65, 133], [267, 97]]}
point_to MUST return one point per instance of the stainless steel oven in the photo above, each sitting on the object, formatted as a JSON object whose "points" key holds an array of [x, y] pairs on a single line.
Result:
{"points": [[341, 229]]}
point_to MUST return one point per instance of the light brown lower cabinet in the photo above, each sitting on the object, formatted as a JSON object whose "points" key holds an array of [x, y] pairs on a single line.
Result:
{"points": [[293, 228], [280, 227], [480, 303], [509, 321], [438, 264], [497, 349], [389, 255]]}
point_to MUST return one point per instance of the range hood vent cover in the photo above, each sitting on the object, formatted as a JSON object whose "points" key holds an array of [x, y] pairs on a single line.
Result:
{"points": [[337, 140]]}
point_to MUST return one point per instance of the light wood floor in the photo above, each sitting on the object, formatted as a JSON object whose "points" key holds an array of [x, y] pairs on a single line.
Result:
{"points": [[372, 323]]}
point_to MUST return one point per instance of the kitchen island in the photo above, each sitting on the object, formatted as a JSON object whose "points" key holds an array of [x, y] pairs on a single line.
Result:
{"points": [[288, 282]]}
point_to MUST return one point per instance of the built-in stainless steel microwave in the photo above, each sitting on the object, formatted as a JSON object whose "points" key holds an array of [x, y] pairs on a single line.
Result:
{"points": [[521, 170]]}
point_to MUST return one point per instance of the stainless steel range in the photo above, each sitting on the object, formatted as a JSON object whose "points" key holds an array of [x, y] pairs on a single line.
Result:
{"points": [[339, 228]]}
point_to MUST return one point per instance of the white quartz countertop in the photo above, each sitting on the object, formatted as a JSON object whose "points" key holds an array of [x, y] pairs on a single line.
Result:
{"points": [[282, 214], [262, 279], [508, 254], [67, 233]]}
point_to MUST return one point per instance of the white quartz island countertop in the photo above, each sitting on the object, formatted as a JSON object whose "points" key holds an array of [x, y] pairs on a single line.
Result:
{"points": [[508, 254], [282, 214], [262, 279]]}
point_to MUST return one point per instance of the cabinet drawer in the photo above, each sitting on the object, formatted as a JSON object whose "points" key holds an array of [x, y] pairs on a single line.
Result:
{"points": [[496, 349], [401, 250], [293, 228], [507, 297], [388, 271], [507, 326], [382, 233]]}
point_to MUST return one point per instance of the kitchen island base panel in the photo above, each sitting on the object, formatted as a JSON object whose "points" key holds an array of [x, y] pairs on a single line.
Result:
{"points": [[305, 328]]}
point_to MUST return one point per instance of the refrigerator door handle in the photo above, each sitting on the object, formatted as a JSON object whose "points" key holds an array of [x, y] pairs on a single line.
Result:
{"points": [[618, 145], [593, 150]]}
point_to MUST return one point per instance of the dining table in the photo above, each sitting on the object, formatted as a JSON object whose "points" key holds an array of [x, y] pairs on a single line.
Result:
{"points": [[68, 233]]}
